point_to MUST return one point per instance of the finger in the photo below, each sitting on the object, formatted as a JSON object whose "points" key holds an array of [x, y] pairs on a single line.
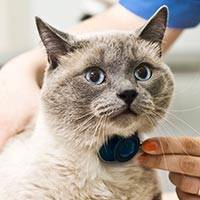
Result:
{"points": [[174, 163], [185, 196], [185, 183], [172, 145]]}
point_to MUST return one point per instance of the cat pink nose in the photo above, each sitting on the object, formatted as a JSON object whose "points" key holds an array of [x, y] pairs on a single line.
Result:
{"points": [[128, 96]]}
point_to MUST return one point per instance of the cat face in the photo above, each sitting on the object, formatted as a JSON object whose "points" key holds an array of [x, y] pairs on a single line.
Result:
{"points": [[108, 83]]}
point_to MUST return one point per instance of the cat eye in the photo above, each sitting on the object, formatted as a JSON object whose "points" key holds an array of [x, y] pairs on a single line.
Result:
{"points": [[143, 72], [95, 75]]}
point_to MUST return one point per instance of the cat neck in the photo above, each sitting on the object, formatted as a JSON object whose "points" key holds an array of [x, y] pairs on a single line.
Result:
{"points": [[47, 142], [48, 137], [84, 161]]}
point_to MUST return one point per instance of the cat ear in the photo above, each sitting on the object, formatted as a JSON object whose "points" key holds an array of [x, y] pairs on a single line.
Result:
{"points": [[154, 29], [56, 42]]}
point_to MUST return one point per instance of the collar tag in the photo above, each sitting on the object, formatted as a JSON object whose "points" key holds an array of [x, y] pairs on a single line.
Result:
{"points": [[119, 149]]}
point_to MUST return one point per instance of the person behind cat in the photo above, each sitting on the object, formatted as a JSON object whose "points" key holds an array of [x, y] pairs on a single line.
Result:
{"points": [[21, 80]]}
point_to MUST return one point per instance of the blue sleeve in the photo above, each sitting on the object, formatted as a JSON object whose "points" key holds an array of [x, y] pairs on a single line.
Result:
{"points": [[182, 13]]}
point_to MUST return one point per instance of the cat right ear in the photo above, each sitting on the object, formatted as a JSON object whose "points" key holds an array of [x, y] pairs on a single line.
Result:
{"points": [[56, 42]]}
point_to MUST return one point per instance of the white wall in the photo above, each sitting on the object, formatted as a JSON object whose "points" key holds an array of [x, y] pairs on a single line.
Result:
{"points": [[61, 14], [17, 26], [188, 42], [14, 26], [18, 31], [3, 25], [187, 48]]}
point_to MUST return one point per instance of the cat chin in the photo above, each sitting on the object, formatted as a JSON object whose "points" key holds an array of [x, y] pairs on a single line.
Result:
{"points": [[122, 129], [127, 126]]}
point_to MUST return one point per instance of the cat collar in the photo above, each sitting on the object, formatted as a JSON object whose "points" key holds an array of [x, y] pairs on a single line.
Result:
{"points": [[119, 149]]}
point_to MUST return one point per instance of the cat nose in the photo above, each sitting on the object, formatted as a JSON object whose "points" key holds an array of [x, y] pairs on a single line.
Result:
{"points": [[128, 96]]}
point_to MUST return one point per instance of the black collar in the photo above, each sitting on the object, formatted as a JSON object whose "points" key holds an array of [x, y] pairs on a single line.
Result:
{"points": [[119, 149]]}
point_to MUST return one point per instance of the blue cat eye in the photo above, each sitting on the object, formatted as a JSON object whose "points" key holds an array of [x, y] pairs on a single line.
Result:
{"points": [[95, 75], [143, 72]]}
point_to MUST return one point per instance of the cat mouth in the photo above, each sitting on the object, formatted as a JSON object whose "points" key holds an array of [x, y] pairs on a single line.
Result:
{"points": [[127, 112]]}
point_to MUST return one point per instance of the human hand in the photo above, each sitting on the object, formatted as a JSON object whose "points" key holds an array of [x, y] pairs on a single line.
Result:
{"points": [[18, 102], [181, 157]]}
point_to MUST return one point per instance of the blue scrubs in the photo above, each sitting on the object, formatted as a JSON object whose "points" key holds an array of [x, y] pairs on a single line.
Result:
{"points": [[182, 13]]}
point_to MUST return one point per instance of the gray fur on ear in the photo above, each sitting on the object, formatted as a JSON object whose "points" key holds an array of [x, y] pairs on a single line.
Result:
{"points": [[155, 27], [57, 43]]}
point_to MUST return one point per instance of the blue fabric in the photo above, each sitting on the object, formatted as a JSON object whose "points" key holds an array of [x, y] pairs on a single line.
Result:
{"points": [[182, 13]]}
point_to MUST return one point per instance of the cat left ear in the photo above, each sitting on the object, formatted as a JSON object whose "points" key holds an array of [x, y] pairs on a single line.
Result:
{"points": [[56, 42], [154, 29]]}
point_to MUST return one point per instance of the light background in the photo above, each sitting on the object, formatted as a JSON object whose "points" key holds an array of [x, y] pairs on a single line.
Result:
{"points": [[18, 34]]}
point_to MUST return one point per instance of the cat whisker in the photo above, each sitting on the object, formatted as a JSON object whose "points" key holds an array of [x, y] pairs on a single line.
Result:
{"points": [[102, 107], [186, 110], [83, 126], [184, 122], [162, 149], [162, 97], [178, 143], [96, 131], [174, 126], [84, 116], [181, 120], [189, 85]]}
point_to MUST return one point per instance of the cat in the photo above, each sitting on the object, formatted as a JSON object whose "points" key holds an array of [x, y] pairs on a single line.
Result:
{"points": [[95, 86]]}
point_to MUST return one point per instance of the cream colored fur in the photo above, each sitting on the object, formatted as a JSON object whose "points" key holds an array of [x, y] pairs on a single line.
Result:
{"points": [[45, 170], [58, 160]]}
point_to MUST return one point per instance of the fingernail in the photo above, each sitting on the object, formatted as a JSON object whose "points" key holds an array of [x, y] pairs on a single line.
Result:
{"points": [[150, 146], [142, 157]]}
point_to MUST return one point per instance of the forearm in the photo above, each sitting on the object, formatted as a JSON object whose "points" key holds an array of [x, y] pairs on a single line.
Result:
{"points": [[28, 67], [120, 18], [32, 64], [116, 17]]}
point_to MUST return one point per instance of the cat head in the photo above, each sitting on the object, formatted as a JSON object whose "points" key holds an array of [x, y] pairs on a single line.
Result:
{"points": [[101, 84]]}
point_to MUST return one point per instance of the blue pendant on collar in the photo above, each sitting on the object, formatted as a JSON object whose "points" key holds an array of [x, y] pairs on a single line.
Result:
{"points": [[119, 149]]}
